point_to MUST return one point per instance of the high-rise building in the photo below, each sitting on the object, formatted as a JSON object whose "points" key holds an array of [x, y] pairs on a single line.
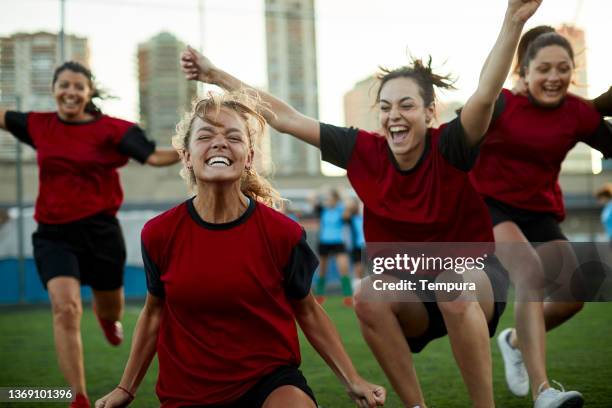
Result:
{"points": [[164, 93], [292, 76], [27, 63], [359, 105]]}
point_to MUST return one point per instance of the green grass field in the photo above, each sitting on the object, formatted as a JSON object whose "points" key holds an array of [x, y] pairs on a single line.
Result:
{"points": [[579, 355]]}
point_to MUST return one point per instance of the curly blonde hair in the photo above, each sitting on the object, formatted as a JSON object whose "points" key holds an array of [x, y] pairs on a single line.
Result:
{"points": [[248, 105]]}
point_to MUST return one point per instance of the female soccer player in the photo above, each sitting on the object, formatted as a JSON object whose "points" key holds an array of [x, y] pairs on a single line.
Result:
{"points": [[517, 173], [227, 277], [414, 184], [354, 219], [603, 103], [78, 240], [604, 197], [330, 211]]}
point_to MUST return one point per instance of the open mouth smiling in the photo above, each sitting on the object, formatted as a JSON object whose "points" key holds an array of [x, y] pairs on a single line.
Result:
{"points": [[219, 161], [398, 133]]}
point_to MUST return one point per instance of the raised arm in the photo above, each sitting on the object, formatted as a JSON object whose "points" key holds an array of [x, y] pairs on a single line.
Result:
{"points": [[321, 333], [477, 112], [281, 116], [144, 345]]}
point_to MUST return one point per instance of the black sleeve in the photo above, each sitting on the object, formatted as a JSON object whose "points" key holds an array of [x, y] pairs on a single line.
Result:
{"points": [[17, 124], [603, 103], [136, 145], [601, 139], [153, 274], [299, 270], [498, 108], [455, 148], [337, 144]]}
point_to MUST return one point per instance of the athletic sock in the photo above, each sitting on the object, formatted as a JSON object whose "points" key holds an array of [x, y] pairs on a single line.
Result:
{"points": [[320, 286], [346, 286]]}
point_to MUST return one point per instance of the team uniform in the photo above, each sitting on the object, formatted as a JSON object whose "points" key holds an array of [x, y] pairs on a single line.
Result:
{"points": [[227, 333], [432, 202], [331, 229], [79, 193], [520, 159]]}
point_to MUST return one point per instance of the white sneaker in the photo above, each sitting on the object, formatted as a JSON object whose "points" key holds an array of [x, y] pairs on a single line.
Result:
{"points": [[553, 398], [516, 373]]}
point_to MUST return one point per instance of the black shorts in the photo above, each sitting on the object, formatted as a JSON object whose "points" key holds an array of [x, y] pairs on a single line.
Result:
{"points": [[92, 250], [331, 249], [536, 226], [356, 255], [437, 328], [256, 396]]}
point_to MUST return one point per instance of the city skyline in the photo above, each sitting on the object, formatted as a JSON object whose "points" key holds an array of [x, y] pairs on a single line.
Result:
{"points": [[351, 43], [353, 38]]}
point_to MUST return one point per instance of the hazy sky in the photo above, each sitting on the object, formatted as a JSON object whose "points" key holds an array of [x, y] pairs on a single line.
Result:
{"points": [[354, 37]]}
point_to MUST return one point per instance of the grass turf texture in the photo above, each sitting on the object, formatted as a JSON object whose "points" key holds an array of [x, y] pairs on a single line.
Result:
{"points": [[579, 355]]}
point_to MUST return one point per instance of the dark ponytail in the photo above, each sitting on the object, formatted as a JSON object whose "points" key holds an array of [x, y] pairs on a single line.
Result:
{"points": [[526, 40], [79, 68], [422, 74]]}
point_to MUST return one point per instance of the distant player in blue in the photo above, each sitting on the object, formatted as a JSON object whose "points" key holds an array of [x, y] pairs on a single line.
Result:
{"points": [[331, 214], [354, 219], [604, 196]]}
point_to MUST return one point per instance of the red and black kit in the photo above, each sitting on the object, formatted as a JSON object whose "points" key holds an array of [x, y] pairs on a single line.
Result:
{"points": [[79, 193], [227, 321], [518, 168], [432, 202]]}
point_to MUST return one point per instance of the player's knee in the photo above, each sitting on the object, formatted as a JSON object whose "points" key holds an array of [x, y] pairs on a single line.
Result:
{"points": [[67, 314], [454, 309], [527, 272], [367, 311]]}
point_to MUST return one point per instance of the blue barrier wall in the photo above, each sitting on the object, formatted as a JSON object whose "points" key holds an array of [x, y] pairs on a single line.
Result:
{"points": [[134, 283]]}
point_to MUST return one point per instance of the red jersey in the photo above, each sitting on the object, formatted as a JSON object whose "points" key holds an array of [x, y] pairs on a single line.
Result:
{"points": [[227, 320], [78, 161], [432, 202], [520, 158]]}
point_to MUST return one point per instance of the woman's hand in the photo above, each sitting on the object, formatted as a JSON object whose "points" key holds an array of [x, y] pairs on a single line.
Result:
{"points": [[196, 66], [117, 398], [521, 10], [366, 395]]}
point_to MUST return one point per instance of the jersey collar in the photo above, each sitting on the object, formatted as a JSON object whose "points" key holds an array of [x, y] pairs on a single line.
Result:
{"points": [[220, 226]]}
